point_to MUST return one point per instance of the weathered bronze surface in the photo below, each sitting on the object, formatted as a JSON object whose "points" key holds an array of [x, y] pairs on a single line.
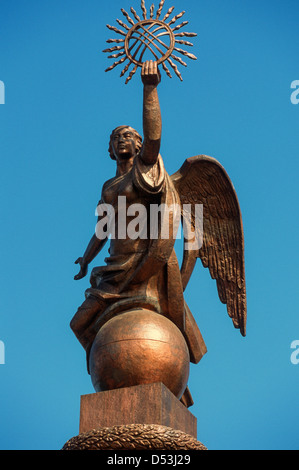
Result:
{"points": [[139, 347], [147, 404], [135, 324]]}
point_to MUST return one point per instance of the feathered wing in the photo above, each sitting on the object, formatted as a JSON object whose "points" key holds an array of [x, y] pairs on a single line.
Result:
{"points": [[202, 180]]}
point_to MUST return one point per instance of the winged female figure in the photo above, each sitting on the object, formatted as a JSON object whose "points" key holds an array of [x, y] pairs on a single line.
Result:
{"points": [[143, 273]]}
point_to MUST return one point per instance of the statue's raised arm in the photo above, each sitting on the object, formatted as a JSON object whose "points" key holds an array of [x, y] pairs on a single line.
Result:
{"points": [[152, 124]]}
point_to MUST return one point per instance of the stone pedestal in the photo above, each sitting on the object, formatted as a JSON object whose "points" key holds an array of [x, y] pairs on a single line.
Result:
{"points": [[143, 417], [142, 404]]}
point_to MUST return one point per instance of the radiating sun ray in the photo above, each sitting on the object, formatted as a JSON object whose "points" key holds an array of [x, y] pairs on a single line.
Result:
{"points": [[177, 17], [168, 14], [131, 74], [152, 11], [129, 19], [135, 14], [175, 69], [180, 26], [115, 41], [123, 25], [115, 56], [146, 36], [144, 12], [116, 30], [186, 54], [178, 59], [184, 34], [112, 49], [166, 70], [160, 7], [185, 43], [125, 69], [115, 64]]}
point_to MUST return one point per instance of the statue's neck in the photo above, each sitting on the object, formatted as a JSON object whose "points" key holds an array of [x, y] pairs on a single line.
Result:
{"points": [[124, 166]]}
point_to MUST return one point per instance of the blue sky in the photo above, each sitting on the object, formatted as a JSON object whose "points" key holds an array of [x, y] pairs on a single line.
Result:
{"points": [[60, 107]]}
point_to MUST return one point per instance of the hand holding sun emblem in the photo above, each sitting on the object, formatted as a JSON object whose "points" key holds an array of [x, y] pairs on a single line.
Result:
{"points": [[149, 39]]}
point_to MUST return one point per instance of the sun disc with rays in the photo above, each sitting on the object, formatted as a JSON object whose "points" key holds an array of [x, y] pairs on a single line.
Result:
{"points": [[149, 39]]}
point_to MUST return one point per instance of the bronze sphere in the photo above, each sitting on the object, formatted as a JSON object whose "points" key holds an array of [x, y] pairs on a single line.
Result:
{"points": [[139, 347]]}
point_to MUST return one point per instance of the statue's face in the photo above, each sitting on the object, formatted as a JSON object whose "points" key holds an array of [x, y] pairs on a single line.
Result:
{"points": [[123, 143]]}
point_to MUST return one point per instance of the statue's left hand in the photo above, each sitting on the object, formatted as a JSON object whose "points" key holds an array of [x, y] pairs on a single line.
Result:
{"points": [[83, 271], [150, 73]]}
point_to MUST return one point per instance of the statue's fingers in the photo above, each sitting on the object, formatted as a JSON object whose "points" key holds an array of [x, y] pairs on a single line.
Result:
{"points": [[151, 68], [146, 68], [155, 68]]}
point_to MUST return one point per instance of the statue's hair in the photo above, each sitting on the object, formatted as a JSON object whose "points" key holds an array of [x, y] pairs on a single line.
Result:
{"points": [[138, 140]]}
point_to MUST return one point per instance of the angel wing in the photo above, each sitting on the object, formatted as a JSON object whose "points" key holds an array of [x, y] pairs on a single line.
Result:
{"points": [[202, 180]]}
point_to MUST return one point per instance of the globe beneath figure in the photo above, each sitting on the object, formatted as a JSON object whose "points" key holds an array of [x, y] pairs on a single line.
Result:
{"points": [[139, 347]]}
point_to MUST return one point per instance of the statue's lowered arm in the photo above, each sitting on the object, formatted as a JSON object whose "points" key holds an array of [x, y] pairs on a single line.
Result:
{"points": [[93, 249]]}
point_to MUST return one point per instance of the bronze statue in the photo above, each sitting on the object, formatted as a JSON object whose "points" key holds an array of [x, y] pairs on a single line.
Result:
{"points": [[135, 324]]}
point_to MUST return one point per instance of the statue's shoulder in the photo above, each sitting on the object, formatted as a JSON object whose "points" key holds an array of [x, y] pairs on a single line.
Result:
{"points": [[112, 187], [108, 183]]}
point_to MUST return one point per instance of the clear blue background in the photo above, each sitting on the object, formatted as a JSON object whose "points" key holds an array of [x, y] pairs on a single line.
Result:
{"points": [[234, 104]]}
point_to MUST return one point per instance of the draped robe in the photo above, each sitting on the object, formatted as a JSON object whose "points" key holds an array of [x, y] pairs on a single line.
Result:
{"points": [[142, 272]]}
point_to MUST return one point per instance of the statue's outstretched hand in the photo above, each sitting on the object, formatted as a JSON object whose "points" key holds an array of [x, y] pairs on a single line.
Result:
{"points": [[83, 271], [150, 73]]}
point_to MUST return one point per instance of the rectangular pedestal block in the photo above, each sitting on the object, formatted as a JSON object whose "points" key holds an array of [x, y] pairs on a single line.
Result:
{"points": [[142, 404]]}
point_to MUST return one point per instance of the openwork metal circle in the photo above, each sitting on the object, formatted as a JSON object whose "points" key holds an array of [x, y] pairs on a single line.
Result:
{"points": [[149, 39], [145, 36]]}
